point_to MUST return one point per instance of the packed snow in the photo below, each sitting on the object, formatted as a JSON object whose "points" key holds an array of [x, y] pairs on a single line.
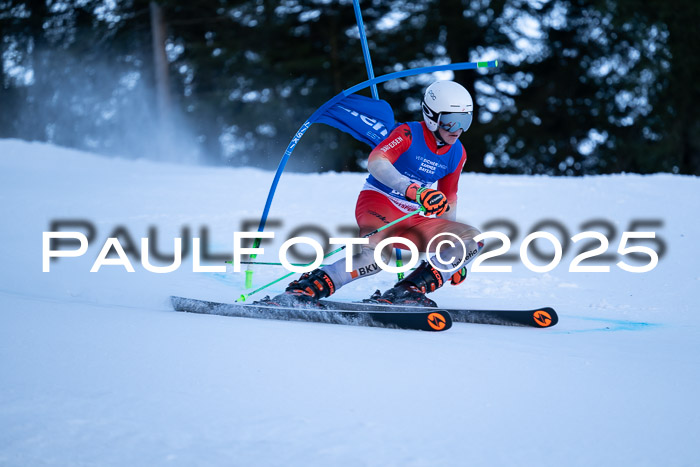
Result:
{"points": [[97, 369]]}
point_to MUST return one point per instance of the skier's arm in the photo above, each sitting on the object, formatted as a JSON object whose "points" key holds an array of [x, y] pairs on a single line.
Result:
{"points": [[448, 185], [382, 158]]}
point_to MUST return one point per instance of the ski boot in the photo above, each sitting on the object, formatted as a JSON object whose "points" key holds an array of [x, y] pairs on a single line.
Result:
{"points": [[412, 289], [306, 291]]}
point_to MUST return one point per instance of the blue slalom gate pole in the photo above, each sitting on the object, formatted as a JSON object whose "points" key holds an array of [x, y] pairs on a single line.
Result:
{"points": [[365, 47]]}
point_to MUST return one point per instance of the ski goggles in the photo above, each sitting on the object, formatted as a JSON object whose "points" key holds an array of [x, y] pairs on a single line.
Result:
{"points": [[455, 121]]}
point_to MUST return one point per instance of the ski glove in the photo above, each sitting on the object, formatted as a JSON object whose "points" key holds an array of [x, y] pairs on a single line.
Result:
{"points": [[434, 201], [459, 276]]}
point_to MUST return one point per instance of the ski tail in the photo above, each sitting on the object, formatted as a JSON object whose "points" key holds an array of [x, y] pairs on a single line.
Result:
{"points": [[424, 320]]}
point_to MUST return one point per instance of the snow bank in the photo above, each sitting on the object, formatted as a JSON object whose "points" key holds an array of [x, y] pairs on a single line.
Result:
{"points": [[97, 370]]}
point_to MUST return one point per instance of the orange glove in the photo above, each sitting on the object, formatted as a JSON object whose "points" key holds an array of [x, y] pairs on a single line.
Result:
{"points": [[459, 276], [434, 201]]}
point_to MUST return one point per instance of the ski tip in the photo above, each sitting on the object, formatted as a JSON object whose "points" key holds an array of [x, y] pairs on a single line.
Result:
{"points": [[545, 317]]}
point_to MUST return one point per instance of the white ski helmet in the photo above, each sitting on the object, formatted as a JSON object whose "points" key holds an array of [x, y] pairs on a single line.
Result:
{"points": [[447, 97]]}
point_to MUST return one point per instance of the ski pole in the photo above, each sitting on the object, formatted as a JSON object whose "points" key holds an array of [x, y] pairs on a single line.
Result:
{"points": [[269, 263], [399, 263], [243, 297]]}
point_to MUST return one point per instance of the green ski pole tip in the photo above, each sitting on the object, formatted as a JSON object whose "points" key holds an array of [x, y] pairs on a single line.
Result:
{"points": [[241, 298], [495, 63]]}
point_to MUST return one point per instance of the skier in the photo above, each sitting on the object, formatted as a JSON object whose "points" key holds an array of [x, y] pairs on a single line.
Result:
{"points": [[402, 169]]}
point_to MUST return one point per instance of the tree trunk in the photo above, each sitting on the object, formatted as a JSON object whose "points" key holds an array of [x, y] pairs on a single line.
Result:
{"points": [[457, 45], [162, 82], [5, 131]]}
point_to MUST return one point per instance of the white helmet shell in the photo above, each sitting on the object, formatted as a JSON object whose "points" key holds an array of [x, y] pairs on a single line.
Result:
{"points": [[445, 97]]}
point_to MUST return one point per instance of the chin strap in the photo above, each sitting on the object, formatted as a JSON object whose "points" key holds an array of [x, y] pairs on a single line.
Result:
{"points": [[438, 137]]}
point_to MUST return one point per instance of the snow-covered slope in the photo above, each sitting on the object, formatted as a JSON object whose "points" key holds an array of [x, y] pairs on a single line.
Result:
{"points": [[97, 370]]}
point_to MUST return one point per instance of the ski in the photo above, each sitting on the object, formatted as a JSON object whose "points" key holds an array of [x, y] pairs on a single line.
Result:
{"points": [[539, 318], [432, 319]]}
